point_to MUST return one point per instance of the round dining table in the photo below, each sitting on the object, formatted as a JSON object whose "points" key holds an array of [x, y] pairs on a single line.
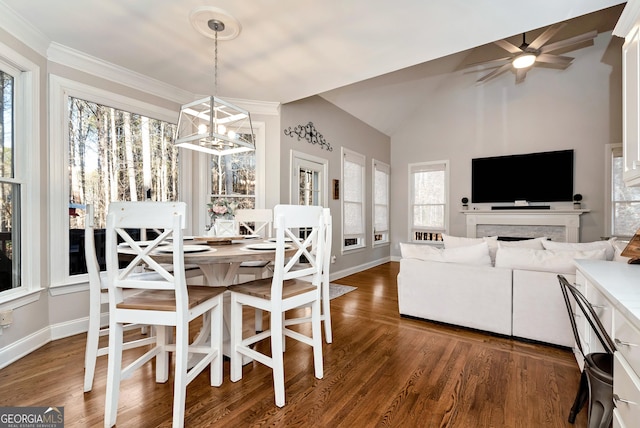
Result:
{"points": [[219, 265]]}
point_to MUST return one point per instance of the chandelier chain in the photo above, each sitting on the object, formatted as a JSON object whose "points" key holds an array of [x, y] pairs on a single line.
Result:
{"points": [[215, 65]]}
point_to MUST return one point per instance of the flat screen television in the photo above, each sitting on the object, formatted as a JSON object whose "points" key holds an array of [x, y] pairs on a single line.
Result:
{"points": [[531, 177]]}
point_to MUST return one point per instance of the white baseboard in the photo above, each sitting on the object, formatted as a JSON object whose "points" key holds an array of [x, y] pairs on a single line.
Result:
{"points": [[26, 345], [355, 269]]}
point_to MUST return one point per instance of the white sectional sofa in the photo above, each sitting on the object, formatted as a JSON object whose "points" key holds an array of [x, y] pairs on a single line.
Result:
{"points": [[508, 288]]}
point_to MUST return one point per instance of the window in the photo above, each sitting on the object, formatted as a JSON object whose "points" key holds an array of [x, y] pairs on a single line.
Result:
{"points": [[19, 178], [105, 147], [380, 202], [624, 217], [429, 197], [353, 165], [233, 177], [114, 155]]}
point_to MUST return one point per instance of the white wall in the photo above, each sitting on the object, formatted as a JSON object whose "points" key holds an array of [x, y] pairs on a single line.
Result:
{"points": [[339, 129], [578, 108]]}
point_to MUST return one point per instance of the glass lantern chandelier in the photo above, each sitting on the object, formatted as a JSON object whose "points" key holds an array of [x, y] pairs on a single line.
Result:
{"points": [[212, 125]]}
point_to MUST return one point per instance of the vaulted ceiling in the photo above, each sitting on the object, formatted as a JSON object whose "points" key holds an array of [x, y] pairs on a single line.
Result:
{"points": [[366, 56]]}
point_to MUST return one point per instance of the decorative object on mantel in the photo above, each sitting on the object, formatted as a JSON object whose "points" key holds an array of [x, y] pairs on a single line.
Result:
{"points": [[632, 249], [309, 133], [465, 203], [576, 201], [212, 125]]}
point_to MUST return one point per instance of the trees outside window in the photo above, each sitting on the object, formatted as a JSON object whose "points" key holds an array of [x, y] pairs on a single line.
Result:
{"points": [[114, 155]]}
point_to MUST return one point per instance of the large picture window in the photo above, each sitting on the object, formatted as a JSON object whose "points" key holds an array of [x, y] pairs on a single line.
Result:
{"points": [[429, 200], [114, 155], [104, 147]]}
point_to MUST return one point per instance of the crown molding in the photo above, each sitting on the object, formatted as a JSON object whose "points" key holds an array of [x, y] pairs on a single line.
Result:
{"points": [[23, 30], [95, 66], [627, 19]]}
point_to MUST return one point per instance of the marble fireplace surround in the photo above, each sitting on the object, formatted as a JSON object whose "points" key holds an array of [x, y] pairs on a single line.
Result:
{"points": [[557, 225]]}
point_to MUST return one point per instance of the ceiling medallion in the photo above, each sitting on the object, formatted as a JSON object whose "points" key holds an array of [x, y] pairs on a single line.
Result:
{"points": [[309, 133]]}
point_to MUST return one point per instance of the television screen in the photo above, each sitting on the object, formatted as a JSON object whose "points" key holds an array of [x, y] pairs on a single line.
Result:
{"points": [[532, 177]]}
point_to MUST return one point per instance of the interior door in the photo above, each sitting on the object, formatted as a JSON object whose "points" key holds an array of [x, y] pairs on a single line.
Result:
{"points": [[309, 180]]}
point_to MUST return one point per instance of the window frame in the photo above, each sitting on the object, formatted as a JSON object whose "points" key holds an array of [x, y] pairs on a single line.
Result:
{"points": [[377, 165], [610, 153], [60, 89], [412, 169], [360, 159], [26, 174]]}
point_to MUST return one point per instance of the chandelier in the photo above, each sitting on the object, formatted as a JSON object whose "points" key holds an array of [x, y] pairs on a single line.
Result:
{"points": [[213, 125]]}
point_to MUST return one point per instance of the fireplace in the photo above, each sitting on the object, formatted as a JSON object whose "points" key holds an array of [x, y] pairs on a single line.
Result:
{"points": [[557, 225]]}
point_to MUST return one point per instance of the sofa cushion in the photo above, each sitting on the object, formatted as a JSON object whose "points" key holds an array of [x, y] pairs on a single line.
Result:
{"points": [[460, 241], [535, 243], [582, 246], [555, 261], [477, 255]]}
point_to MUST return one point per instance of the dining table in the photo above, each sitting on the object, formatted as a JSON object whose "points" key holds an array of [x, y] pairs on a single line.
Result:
{"points": [[219, 260]]}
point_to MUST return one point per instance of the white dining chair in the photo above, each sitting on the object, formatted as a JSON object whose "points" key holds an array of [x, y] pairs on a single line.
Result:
{"points": [[99, 296], [166, 303], [257, 222], [326, 267], [283, 292]]}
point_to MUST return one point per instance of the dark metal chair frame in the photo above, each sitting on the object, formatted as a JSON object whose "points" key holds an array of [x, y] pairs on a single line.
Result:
{"points": [[596, 382]]}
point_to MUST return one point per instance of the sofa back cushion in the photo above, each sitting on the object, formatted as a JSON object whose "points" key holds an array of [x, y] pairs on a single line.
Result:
{"points": [[460, 241], [534, 243], [477, 255], [556, 261], [582, 246]]}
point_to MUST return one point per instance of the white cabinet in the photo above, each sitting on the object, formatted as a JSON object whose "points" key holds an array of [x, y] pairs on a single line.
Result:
{"points": [[629, 27], [612, 289]]}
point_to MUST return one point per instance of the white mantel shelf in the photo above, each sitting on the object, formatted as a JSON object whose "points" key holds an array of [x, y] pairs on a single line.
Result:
{"points": [[568, 218]]}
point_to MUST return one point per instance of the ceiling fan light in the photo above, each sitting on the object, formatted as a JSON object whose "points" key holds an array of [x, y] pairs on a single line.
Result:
{"points": [[524, 60]]}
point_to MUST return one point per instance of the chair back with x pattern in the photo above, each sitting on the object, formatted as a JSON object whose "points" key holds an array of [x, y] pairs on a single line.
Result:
{"points": [[164, 301], [286, 290]]}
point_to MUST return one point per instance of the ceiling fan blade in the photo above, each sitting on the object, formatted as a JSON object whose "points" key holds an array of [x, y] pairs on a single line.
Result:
{"points": [[554, 59], [494, 73], [546, 35], [521, 73], [568, 42], [488, 64], [511, 48]]}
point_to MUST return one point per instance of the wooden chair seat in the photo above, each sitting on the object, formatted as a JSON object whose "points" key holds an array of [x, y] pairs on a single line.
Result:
{"points": [[165, 300], [262, 288]]}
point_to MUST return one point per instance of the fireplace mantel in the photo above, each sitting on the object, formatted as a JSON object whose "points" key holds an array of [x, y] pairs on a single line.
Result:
{"points": [[568, 219]]}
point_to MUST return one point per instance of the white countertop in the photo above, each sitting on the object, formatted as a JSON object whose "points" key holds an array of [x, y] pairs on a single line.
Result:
{"points": [[619, 282]]}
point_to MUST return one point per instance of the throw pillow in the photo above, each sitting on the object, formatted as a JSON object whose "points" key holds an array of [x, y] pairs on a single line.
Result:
{"points": [[459, 241], [581, 246], [544, 260], [472, 255], [535, 243]]}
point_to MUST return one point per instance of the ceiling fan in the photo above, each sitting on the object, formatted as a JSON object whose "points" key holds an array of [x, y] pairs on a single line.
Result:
{"points": [[522, 58]]}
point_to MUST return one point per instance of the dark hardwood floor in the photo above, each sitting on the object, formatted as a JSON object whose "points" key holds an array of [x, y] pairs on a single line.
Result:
{"points": [[381, 370]]}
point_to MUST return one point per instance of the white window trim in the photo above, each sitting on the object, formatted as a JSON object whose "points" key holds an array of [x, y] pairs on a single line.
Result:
{"points": [[293, 188], [608, 187], [60, 89], [411, 195], [27, 163], [363, 242], [382, 166]]}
